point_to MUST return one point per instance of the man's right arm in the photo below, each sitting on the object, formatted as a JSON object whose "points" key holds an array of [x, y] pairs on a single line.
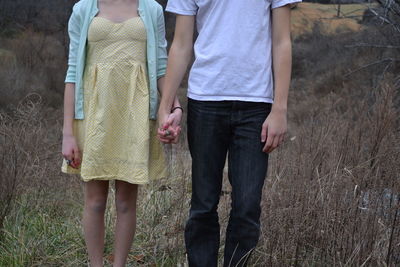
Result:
{"points": [[179, 57]]}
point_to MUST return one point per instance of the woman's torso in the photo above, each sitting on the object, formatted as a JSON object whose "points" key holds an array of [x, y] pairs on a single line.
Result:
{"points": [[110, 42]]}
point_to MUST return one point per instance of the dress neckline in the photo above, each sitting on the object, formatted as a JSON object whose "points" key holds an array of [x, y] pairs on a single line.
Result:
{"points": [[113, 22]]}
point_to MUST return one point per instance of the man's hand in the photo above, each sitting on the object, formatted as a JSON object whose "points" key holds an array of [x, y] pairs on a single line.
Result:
{"points": [[273, 130], [275, 126], [179, 57], [169, 126]]}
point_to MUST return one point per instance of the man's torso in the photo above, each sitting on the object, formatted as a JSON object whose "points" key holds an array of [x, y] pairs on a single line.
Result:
{"points": [[233, 49]]}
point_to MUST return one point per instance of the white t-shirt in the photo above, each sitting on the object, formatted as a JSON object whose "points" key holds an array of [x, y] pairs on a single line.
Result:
{"points": [[233, 57]]}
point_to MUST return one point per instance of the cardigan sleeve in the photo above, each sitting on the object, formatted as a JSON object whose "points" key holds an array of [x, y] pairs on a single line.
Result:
{"points": [[162, 44], [74, 32]]}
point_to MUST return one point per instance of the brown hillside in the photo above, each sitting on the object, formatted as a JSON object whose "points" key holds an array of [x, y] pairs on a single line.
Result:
{"points": [[306, 15]]}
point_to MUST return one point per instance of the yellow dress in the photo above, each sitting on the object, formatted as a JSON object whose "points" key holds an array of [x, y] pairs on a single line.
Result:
{"points": [[116, 138]]}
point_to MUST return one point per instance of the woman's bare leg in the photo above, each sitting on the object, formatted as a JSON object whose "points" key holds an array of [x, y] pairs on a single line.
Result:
{"points": [[93, 220], [125, 200]]}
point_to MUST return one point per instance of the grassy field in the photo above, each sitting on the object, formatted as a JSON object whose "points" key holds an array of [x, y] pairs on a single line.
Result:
{"points": [[332, 192]]}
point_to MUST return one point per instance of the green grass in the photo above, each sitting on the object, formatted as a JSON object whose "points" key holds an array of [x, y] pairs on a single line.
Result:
{"points": [[45, 230], [41, 236]]}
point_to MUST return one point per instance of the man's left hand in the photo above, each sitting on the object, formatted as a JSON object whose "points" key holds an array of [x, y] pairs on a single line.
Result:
{"points": [[274, 129]]}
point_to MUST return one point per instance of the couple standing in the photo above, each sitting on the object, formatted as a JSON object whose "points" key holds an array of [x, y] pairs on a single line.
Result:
{"points": [[117, 66]]}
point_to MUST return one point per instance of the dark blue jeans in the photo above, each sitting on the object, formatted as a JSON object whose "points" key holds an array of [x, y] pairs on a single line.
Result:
{"points": [[215, 129]]}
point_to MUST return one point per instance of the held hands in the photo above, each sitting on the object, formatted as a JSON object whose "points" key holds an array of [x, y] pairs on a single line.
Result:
{"points": [[169, 126], [70, 151], [273, 130]]}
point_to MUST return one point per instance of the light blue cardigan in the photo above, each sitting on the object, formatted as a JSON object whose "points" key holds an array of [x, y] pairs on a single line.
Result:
{"points": [[83, 13]]}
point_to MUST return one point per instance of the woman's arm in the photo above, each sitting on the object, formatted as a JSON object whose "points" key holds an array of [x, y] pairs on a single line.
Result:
{"points": [[70, 148], [275, 126], [162, 45], [74, 33], [69, 106]]}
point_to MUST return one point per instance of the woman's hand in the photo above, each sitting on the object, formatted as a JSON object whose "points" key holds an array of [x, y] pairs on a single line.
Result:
{"points": [[170, 128], [70, 151]]}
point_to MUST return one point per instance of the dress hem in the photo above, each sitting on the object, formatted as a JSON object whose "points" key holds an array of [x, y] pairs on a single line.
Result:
{"points": [[113, 178]]}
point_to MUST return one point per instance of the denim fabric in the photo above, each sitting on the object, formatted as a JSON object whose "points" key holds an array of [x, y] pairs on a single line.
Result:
{"points": [[216, 128]]}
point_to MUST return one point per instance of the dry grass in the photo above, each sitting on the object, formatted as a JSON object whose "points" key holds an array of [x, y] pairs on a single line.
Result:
{"points": [[41, 208], [332, 191], [305, 15], [31, 62], [331, 199]]}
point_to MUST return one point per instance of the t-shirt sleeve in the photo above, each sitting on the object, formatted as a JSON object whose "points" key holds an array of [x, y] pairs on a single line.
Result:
{"points": [[182, 7], [280, 3]]}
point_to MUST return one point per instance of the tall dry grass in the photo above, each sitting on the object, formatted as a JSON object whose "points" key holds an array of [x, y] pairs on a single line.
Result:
{"points": [[331, 196], [41, 208], [333, 193], [31, 62]]}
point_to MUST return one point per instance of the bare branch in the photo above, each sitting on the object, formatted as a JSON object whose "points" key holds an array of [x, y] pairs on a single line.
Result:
{"points": [[373, 46], [386, 19], [372, 64]]}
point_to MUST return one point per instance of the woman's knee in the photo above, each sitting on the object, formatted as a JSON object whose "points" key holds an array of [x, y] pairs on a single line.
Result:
{"points": [[125, 204], [96, 204], [125, 198]]}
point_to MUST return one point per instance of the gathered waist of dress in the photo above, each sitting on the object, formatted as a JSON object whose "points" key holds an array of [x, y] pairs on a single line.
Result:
{"points": [[117, 63]]}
